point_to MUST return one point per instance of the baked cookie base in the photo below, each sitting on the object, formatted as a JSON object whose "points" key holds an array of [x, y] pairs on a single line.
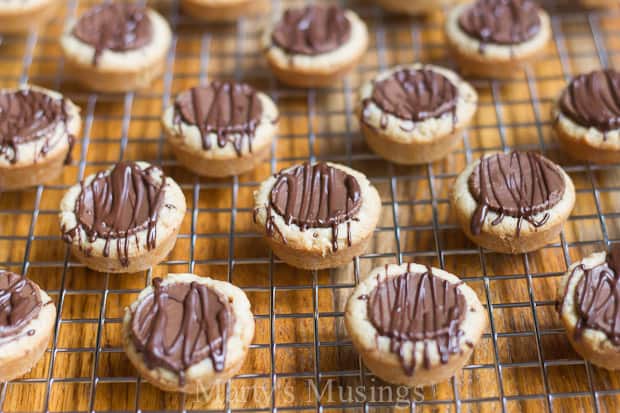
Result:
{"points": [[224, 10], [21, 21], [581, 150], [409, 153], [48, 168], [307, 79]]}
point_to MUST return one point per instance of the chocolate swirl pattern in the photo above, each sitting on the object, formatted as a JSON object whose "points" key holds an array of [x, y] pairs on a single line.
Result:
{"points": [[504, 22], [597, 297], [312, 30], [27, 115], [315, 196], [117, 205], [518, 184], [114, 26], [593, 100], [20, 303], [418, 307], [232, 111], [415, 95], [181, 324]]}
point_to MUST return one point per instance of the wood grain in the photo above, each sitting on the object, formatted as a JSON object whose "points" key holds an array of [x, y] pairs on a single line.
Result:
{"points": [[524, 362]]}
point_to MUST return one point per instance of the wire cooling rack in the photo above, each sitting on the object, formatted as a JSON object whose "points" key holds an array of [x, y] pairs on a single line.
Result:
{"points": [[302, 358]]}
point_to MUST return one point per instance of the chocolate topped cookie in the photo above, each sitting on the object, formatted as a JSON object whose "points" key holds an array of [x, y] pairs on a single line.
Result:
{"points": [[523, 185], [312, 30], [415, 114], [222, 128], [493, 196], [115, 217], [187, 333], [316, 215], [412, 324], [114, 26], [589, 305], [587, 117], [116, 46], [497, 38], [181, 324], [505, 22], [315, 46], [27, 317], [37, 132]]}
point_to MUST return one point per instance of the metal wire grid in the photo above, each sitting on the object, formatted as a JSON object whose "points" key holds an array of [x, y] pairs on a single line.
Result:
{"points": [[441, 251]]}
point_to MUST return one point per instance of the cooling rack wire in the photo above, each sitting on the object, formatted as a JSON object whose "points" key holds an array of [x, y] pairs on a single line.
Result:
{"points": [[523, 363]]}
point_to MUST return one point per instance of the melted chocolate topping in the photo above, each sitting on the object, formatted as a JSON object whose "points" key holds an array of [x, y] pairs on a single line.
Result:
{"points": [[312, 30], [181, 324], [20, 303], [117, 205], [415, 95], [518, 184], [315, 196], [505, 22], [29, 115], [418, 307], [593, 100], [114, 26], [597, 297], [230, 110]]}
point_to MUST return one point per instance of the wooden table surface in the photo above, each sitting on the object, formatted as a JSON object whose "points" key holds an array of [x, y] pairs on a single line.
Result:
{"points": [[524, 361]]}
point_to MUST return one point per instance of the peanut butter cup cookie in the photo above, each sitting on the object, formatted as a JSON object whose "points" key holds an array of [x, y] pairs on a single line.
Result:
{"points": [[587, 117], [37, 131], [221, 129], [414, 325], [589, 306], [224, 10], [315, 46], [317, 216], [116, 47], [495, 38], [124, 219], [18, 16], [27, 316], [186, 333], [513, 202], [415, 114]]}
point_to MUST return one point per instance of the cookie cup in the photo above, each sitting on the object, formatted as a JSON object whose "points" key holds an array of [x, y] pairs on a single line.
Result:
{"points": [[503, 237], [19, 16], [19, 356], [321, 70], [375, 349], [117, 72], [140, 257], [586, 143], [33, 168], [593, 345], [492, 60], [312, 249], [201, 376], [407, 142], [224, 10], [186, 143]]}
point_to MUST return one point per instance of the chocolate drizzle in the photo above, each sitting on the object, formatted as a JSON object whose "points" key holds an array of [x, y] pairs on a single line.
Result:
{"points": [[114, 26], [118, 204], [312, 30], [593, 100], [315, 196], [230, 110], [597, 297], [418, 307], [28, 115], [518, 184], [20, 302], [504, 22], [180, 324], [414, 95]]}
